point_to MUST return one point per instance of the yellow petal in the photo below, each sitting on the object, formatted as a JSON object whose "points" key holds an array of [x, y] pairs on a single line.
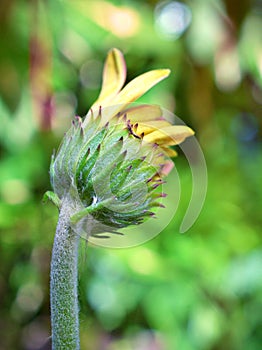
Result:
{"points": [[142, 113], [132, 91], [169, 151], [114, 76], [171, 135], [151, 126], [141, 84]]}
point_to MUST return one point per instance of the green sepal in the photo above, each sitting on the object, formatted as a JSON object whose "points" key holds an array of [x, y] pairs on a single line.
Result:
{"points": [[51, 196], [81, 214]]}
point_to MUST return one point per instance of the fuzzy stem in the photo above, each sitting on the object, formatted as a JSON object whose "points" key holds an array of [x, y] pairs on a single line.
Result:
{"points": [[63, 284]]}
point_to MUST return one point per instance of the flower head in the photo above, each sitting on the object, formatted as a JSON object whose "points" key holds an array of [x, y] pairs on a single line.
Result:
{"points": [[111, 163]]}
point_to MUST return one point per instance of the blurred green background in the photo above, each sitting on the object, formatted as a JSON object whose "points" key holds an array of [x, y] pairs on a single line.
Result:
{"points": [[197, 290]]}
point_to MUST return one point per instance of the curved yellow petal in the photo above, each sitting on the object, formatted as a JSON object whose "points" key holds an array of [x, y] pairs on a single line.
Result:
{"points": [[143, 113], [169, 151], [112, 99], [114, 76], [168, 136], [151, 126], [140, 85]]}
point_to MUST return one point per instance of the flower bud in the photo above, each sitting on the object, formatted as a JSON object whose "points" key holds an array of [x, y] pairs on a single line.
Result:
{"points": [[111, 163]]}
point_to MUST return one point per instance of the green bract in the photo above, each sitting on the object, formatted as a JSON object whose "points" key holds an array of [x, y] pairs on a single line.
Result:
{"points": [[110, 171]]}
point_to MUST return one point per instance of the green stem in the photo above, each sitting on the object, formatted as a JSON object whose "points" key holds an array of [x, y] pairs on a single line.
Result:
{"points": [[63, 284]]}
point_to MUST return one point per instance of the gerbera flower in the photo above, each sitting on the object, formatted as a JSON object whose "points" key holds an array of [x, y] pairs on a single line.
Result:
{"points": [[111, 163]]}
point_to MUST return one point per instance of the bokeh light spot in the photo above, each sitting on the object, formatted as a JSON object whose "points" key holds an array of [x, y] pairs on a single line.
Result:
{"points": [[245, 127], [29, 298], [121, 21], [227, 70], [101, 296], [143, 261], [14, 191], [90, 74], [172, 18]]}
